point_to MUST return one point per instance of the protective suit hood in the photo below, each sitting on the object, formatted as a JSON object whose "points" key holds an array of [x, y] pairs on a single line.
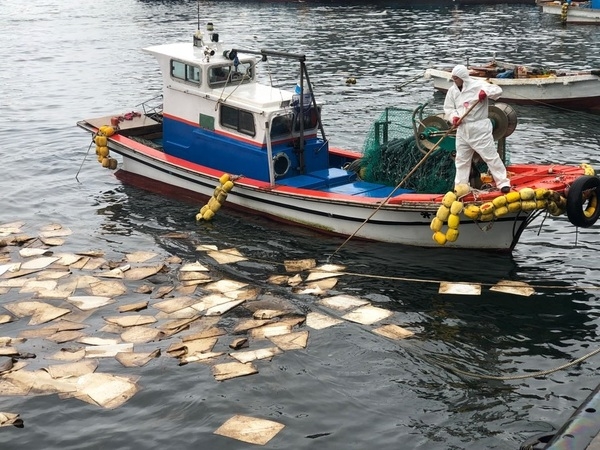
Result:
{"points": [[461, 72]]}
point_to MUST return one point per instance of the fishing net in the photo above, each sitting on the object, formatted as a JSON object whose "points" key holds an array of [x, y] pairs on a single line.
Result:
{"points": [[390, 153]]}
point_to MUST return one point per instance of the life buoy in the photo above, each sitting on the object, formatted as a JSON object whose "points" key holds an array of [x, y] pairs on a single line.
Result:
{"points": [[583, 208]]}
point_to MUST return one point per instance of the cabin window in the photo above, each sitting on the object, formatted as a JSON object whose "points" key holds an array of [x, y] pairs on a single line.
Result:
{"points": [[193, 74], [310, 120], [239, 120], [219, 76], [281, 126], [185, 72]]}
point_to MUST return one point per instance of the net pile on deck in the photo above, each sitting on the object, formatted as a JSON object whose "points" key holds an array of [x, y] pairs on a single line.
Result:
{"points": [[390, 153]]}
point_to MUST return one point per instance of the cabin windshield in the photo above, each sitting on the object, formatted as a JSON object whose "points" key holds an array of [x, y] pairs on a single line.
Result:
{"points": [[225, 74]]}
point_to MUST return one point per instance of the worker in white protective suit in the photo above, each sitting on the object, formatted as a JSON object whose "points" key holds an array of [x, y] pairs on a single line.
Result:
{"points": [[473, 132]]}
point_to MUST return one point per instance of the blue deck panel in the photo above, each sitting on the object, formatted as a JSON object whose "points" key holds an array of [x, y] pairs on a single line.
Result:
{"points": [[334, 175], [320, 179], [365, 188], [302, 181]]}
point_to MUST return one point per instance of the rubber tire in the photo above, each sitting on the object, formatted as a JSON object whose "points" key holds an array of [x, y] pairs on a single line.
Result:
{"points": [[575, 201]]}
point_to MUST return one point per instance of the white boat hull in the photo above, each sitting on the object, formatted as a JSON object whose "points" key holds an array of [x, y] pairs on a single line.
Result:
{"points": [[581, 92], [400, 224]]}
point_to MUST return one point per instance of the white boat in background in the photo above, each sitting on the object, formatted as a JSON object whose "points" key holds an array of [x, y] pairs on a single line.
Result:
{"points": [[573, 12], [532, 85], [219, 132]]}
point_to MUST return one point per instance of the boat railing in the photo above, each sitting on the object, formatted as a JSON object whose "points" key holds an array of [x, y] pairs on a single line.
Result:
{"points": [[153, 108]]}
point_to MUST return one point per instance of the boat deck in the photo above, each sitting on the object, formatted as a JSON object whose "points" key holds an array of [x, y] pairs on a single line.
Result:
{"points": [[340, 181], [129, 124]]}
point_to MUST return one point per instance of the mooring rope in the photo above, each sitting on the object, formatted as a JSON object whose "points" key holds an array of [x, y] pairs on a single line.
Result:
{"points": [[514, 377]]}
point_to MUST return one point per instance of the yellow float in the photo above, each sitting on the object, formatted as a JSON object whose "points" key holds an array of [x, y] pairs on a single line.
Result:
{"points": [[207, 212], [527, 200]]}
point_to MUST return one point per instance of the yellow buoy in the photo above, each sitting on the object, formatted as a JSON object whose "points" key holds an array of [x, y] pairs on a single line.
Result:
{"points": [[103, 151], [451, 235], [105, 162], [208, 214], [514, 206], [471, 211], [462, 189], [499, 212], [442, 213], [541, 204], [453, 221], [436, 224], [448, 199], [513, 196], [527, 194], [541, 193], [101, 140], [487, 208], [528, 205], [439, 237], [486, 217], [588, 169], [456, 207], [222, 197], [499, 201], [591, 207], [107, 130]]}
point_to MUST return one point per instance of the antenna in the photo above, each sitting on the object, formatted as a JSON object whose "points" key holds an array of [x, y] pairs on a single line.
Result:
{"points": [[198, 3]]}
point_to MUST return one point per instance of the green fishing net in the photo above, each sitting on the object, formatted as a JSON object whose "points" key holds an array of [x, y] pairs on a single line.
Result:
{"points": [[391, 153]]}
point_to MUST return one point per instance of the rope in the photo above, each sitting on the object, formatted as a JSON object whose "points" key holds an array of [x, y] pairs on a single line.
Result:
{"points": [[412, 80], [518, 377], [436, 359], [86, 155], [415, 280]]}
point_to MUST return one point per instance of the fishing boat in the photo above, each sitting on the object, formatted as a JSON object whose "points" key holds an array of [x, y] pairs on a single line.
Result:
{"points": [[525, 84], [570, 12], [222, 135]]}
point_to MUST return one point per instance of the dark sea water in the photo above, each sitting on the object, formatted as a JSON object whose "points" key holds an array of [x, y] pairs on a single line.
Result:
{"points": [[62, 61]]}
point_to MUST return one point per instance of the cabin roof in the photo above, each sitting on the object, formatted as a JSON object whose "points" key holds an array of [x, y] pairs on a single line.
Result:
{"points": [[253, 95], [184, 51]]}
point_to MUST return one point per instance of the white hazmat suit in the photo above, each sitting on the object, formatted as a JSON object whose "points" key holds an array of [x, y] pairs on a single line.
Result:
{"points": [[474, 133]]}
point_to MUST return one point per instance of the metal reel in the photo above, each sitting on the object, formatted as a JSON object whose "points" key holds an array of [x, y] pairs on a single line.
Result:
{"points": [[430, 131], [504, 120]]}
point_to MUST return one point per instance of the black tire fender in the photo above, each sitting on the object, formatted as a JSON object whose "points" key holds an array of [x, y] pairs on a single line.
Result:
{"points": [[583, 206]]}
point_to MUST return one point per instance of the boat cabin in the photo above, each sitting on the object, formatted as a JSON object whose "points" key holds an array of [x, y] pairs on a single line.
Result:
{"points": [[216, 113]]}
